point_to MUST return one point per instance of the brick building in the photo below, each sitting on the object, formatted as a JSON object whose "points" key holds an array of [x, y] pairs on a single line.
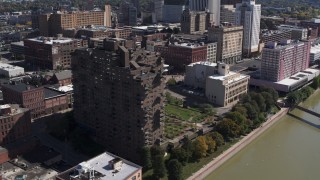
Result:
{"points": [[39, 100], [284, 60], [28, 96], [51, 53], [15, 123], [118, 95], [62, 78], [53, 24], [181, 55]]}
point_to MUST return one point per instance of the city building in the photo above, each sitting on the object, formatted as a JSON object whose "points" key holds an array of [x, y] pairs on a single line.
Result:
{"points": [[275, 36], [158, 9], [222, 87], [51, 53], [136, 4], [248, 15], [280, 61], [314, 24], [15, 123], [53, 24], [229, 42], [230, 2], [297, 33], [214, 9], [118, 95], [105, 166], [193, 21], [226, 87], [9, 70], [212, 52], [180, 55], [314, 54], [17, 48], [28, 96], [63, 78], [198, 5], [127, 14], [197, 73], [55, 101], [228, 14], [172, 13]]}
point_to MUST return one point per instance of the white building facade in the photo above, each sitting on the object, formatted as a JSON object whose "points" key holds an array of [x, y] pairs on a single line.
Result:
{"points": [[248, 14]]}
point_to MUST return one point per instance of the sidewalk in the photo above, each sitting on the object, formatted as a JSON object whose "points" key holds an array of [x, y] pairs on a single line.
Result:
{"points": [[218, 161]]}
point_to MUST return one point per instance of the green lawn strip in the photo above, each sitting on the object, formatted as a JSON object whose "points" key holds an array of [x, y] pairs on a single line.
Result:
{"points": [[193, 167], [180, 113]]}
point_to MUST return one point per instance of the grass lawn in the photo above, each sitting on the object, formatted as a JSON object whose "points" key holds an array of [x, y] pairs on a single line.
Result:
{"points": [[181, 113]]}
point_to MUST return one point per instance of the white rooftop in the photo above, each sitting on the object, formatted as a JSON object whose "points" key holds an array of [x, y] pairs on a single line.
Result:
{"points": [[298, 76], [50, 40], [204, 63], [9, 67], [226, 77], [101, 165], [315, 49], [66, 88]]}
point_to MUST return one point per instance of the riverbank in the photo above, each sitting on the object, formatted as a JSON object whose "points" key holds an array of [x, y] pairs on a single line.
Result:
{"points": [[218, 161]]}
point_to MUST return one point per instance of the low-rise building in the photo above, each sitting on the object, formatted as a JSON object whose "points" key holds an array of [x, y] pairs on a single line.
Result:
{"points": [[51, 53], [62, 78], [28, 96], [314, 54], [180, 55], [9, 70], [225, 88], [222, 87], [197, 73], [15, 123], [105, 166], [297, 33], [276, 36]]}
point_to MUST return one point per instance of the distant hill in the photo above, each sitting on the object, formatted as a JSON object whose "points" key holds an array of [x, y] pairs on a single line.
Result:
{"points": [[288, 3]]}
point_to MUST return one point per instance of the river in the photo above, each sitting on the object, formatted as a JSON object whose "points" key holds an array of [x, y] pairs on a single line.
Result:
{"points": [[289, 150]]}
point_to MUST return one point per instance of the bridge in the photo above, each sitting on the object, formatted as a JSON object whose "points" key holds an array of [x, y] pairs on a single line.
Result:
{"points": [[304, 120], [308, 111]]}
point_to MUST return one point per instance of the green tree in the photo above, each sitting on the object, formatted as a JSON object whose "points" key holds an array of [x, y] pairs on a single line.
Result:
{"points": [[171, 82], [146, 158], [228, 128], [293, 98], [181, 154], [218, 138], [272, 91], [174, 170], [260, 101], [211, 144], [268, 100], [159, 169], [241, 109], [251, 111], [316, 83], [240, 120], [200, 147], [187, 146], [207, 109]]}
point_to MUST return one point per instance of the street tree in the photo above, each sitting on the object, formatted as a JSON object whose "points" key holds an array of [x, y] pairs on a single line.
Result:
{"points": [[174, 170]]}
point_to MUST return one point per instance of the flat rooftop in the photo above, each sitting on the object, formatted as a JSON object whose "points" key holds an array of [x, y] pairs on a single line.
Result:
{"points": [[19, 87], [102, 169], [9, 67], [298, 77], [205, 63], [50, 40], [230, 80]]}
